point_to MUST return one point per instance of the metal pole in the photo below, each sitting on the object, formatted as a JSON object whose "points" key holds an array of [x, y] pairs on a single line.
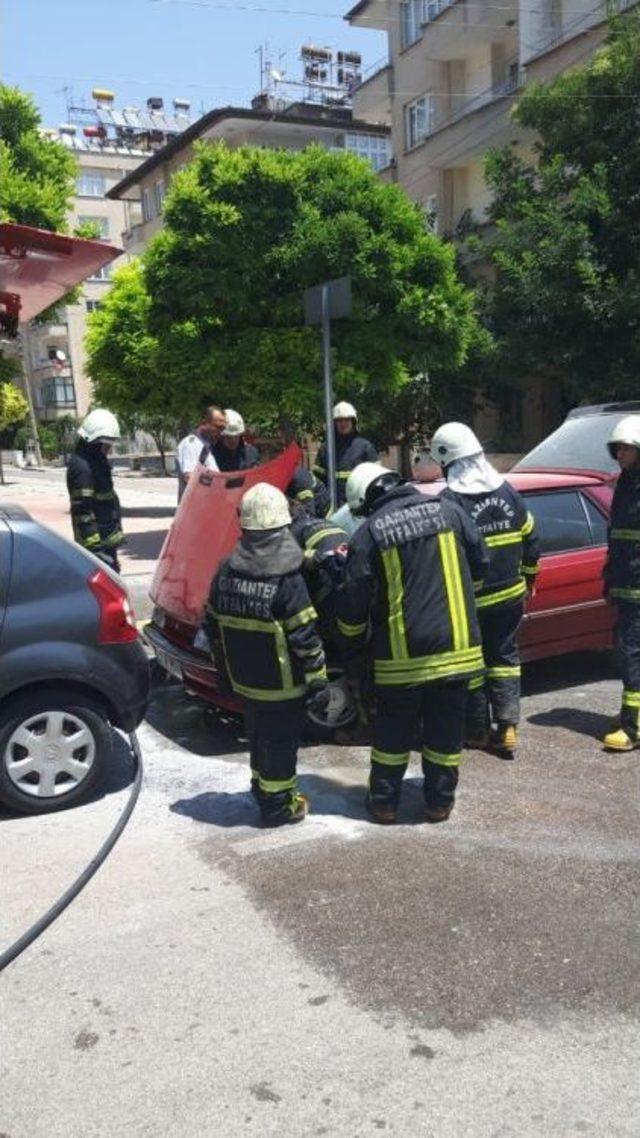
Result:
{"points": [[328, 398]]}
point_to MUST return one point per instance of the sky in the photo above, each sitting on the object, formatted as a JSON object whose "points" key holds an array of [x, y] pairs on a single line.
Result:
{"points": [[202, 50]]}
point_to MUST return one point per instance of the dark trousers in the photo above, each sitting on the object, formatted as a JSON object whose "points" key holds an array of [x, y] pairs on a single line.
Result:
{"points": [[274, 731], [110, 558], [495, 697], [628, 636], [430, 716]]}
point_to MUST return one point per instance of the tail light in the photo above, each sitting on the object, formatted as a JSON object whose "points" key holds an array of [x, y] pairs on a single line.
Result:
{"points": [[117, 618]]}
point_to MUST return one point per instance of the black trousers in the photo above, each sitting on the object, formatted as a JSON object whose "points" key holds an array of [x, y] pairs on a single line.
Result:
{"points": [[495, 697], [427, 715], [628, 636], [274, 731]]}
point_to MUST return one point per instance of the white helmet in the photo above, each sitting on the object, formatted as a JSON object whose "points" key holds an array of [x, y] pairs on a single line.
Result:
{"points": [[627, 430], [99, 424], [264, 507], [345, 411], [235, 423], [361, 479], [452, 441]]}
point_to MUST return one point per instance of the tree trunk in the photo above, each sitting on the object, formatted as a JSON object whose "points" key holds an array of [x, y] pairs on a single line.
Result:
{"points": [[2, 481]]}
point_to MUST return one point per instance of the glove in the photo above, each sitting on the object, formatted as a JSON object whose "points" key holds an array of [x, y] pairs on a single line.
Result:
{"points": [[318, 697]]}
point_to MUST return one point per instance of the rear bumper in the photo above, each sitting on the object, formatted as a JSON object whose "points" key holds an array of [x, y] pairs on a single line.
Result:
{"points": [[198, 674]]}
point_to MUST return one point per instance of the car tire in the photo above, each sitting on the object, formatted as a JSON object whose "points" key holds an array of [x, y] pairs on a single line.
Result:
{"points": [[46, 739]]}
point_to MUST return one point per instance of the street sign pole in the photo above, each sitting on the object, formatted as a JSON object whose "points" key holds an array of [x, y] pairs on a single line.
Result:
{"points": [[328, 397]]}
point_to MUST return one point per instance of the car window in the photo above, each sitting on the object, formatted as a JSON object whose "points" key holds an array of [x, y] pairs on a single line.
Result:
{"points": [[561, 521], [597, 521]]}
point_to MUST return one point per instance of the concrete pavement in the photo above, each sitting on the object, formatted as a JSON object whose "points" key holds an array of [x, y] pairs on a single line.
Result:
{"points": [[478, 978]]}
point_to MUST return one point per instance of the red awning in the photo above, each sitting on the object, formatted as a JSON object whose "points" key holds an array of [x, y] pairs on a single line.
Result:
{"points": [[37, 268]]}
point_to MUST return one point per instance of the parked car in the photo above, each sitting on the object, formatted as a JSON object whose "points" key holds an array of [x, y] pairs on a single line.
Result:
{"points": [[73, 666]]}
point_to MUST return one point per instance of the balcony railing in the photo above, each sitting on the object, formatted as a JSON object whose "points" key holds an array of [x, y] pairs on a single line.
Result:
{"points": [[508, 86]]}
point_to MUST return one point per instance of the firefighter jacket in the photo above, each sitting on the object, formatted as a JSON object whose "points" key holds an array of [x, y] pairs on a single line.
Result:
{"points": [[622, 571], [509, 532], [242, 458], [309, 492], [409, 580], [95, 508], [260, 616], [351, 450], [324, 547]]}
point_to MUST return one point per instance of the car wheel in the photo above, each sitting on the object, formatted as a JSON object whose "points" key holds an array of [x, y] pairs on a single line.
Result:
{"points": [[53, 750]]}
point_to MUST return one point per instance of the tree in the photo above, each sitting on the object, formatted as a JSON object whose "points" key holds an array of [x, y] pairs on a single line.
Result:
{"points": [[566, 297], [13, 408], [125, 362], [246, 231], [36, 172]]}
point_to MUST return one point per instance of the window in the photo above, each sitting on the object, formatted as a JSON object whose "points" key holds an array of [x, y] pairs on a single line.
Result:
{"points": [[58, 392], [597, 521], [411, 21], [147, 211], [100, 224], [372, 147], [91, 184], [103, 274], [431, 210], [561, 521], [159, 191], [418, 120], [93, 305]]}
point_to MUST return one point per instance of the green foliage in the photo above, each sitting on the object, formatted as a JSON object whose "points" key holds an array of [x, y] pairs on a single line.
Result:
{"points": [[566, 300], [215, 310], [36, 173], [13, 405]]}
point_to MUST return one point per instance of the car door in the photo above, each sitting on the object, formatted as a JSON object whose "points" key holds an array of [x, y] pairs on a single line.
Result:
{"points": [[568, 612]]}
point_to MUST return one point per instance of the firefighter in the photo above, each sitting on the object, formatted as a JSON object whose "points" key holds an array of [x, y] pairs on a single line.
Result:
{"points": [[622, 578], [309, 492], [351, 449], [231, 452], [509, 532], [260, 615], [324, 546], [409, 582], [95, 508]]}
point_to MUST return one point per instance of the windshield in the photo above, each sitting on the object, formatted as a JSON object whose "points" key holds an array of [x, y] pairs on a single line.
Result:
{"points": [[579, 444]]}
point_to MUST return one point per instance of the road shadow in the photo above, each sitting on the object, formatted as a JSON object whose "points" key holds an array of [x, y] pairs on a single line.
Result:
{"points": [[190, 724], [577, 720], [569, 671], [148, 511], [118, 775], [328, 797], [146, 545]]}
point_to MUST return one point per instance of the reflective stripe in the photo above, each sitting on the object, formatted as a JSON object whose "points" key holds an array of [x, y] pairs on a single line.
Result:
{"points": [[395, 592], [476, 683], [440, 758], [266, 695], [243, 623], [318, 469], [303, 494], [284, 659], [454, 590], [319, 674], [254, 773], [631, 698], [351, 629], [90, 542], [529, 570], [86, 518], [477, 586], [625, 594], [509, 594], [626, 534], [114, 538], [506, 672], [305, 616], [104, 496], [76, 494], [277, 785], [343, 473], [316, 538], [424, 669], [389, 760], [528, 525], [497, 539]]}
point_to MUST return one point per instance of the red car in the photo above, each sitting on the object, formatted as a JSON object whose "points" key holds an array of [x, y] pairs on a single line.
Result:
{"points": [[567, 483]]}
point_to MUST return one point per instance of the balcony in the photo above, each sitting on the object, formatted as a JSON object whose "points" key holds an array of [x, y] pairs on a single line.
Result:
{"points": [[372, 96], [455, 30]]}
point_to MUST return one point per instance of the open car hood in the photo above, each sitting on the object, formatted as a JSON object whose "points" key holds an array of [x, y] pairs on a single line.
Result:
{"points": [[205, 530]]}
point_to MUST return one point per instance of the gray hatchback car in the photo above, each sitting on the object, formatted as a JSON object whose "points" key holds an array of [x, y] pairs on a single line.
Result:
{"points": [[71, 666]]}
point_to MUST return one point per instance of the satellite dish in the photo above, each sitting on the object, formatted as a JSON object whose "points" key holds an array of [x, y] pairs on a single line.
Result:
{"points": [[276, 75]]}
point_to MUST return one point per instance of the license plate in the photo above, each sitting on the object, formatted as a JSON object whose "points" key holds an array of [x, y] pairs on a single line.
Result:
{"points": [[169, 664]]}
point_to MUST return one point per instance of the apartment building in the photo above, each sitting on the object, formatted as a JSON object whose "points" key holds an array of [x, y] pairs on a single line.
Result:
{"points": [[270, 122], [108, 144]]}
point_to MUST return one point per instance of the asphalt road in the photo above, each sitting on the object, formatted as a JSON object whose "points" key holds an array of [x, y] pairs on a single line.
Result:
{"points": [[478, 978]]}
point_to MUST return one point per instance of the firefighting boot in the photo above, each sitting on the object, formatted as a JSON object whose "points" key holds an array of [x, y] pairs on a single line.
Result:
{"points": [[505, 741], [435, 814], [381, 812], [297, 811], [620, 741]]}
